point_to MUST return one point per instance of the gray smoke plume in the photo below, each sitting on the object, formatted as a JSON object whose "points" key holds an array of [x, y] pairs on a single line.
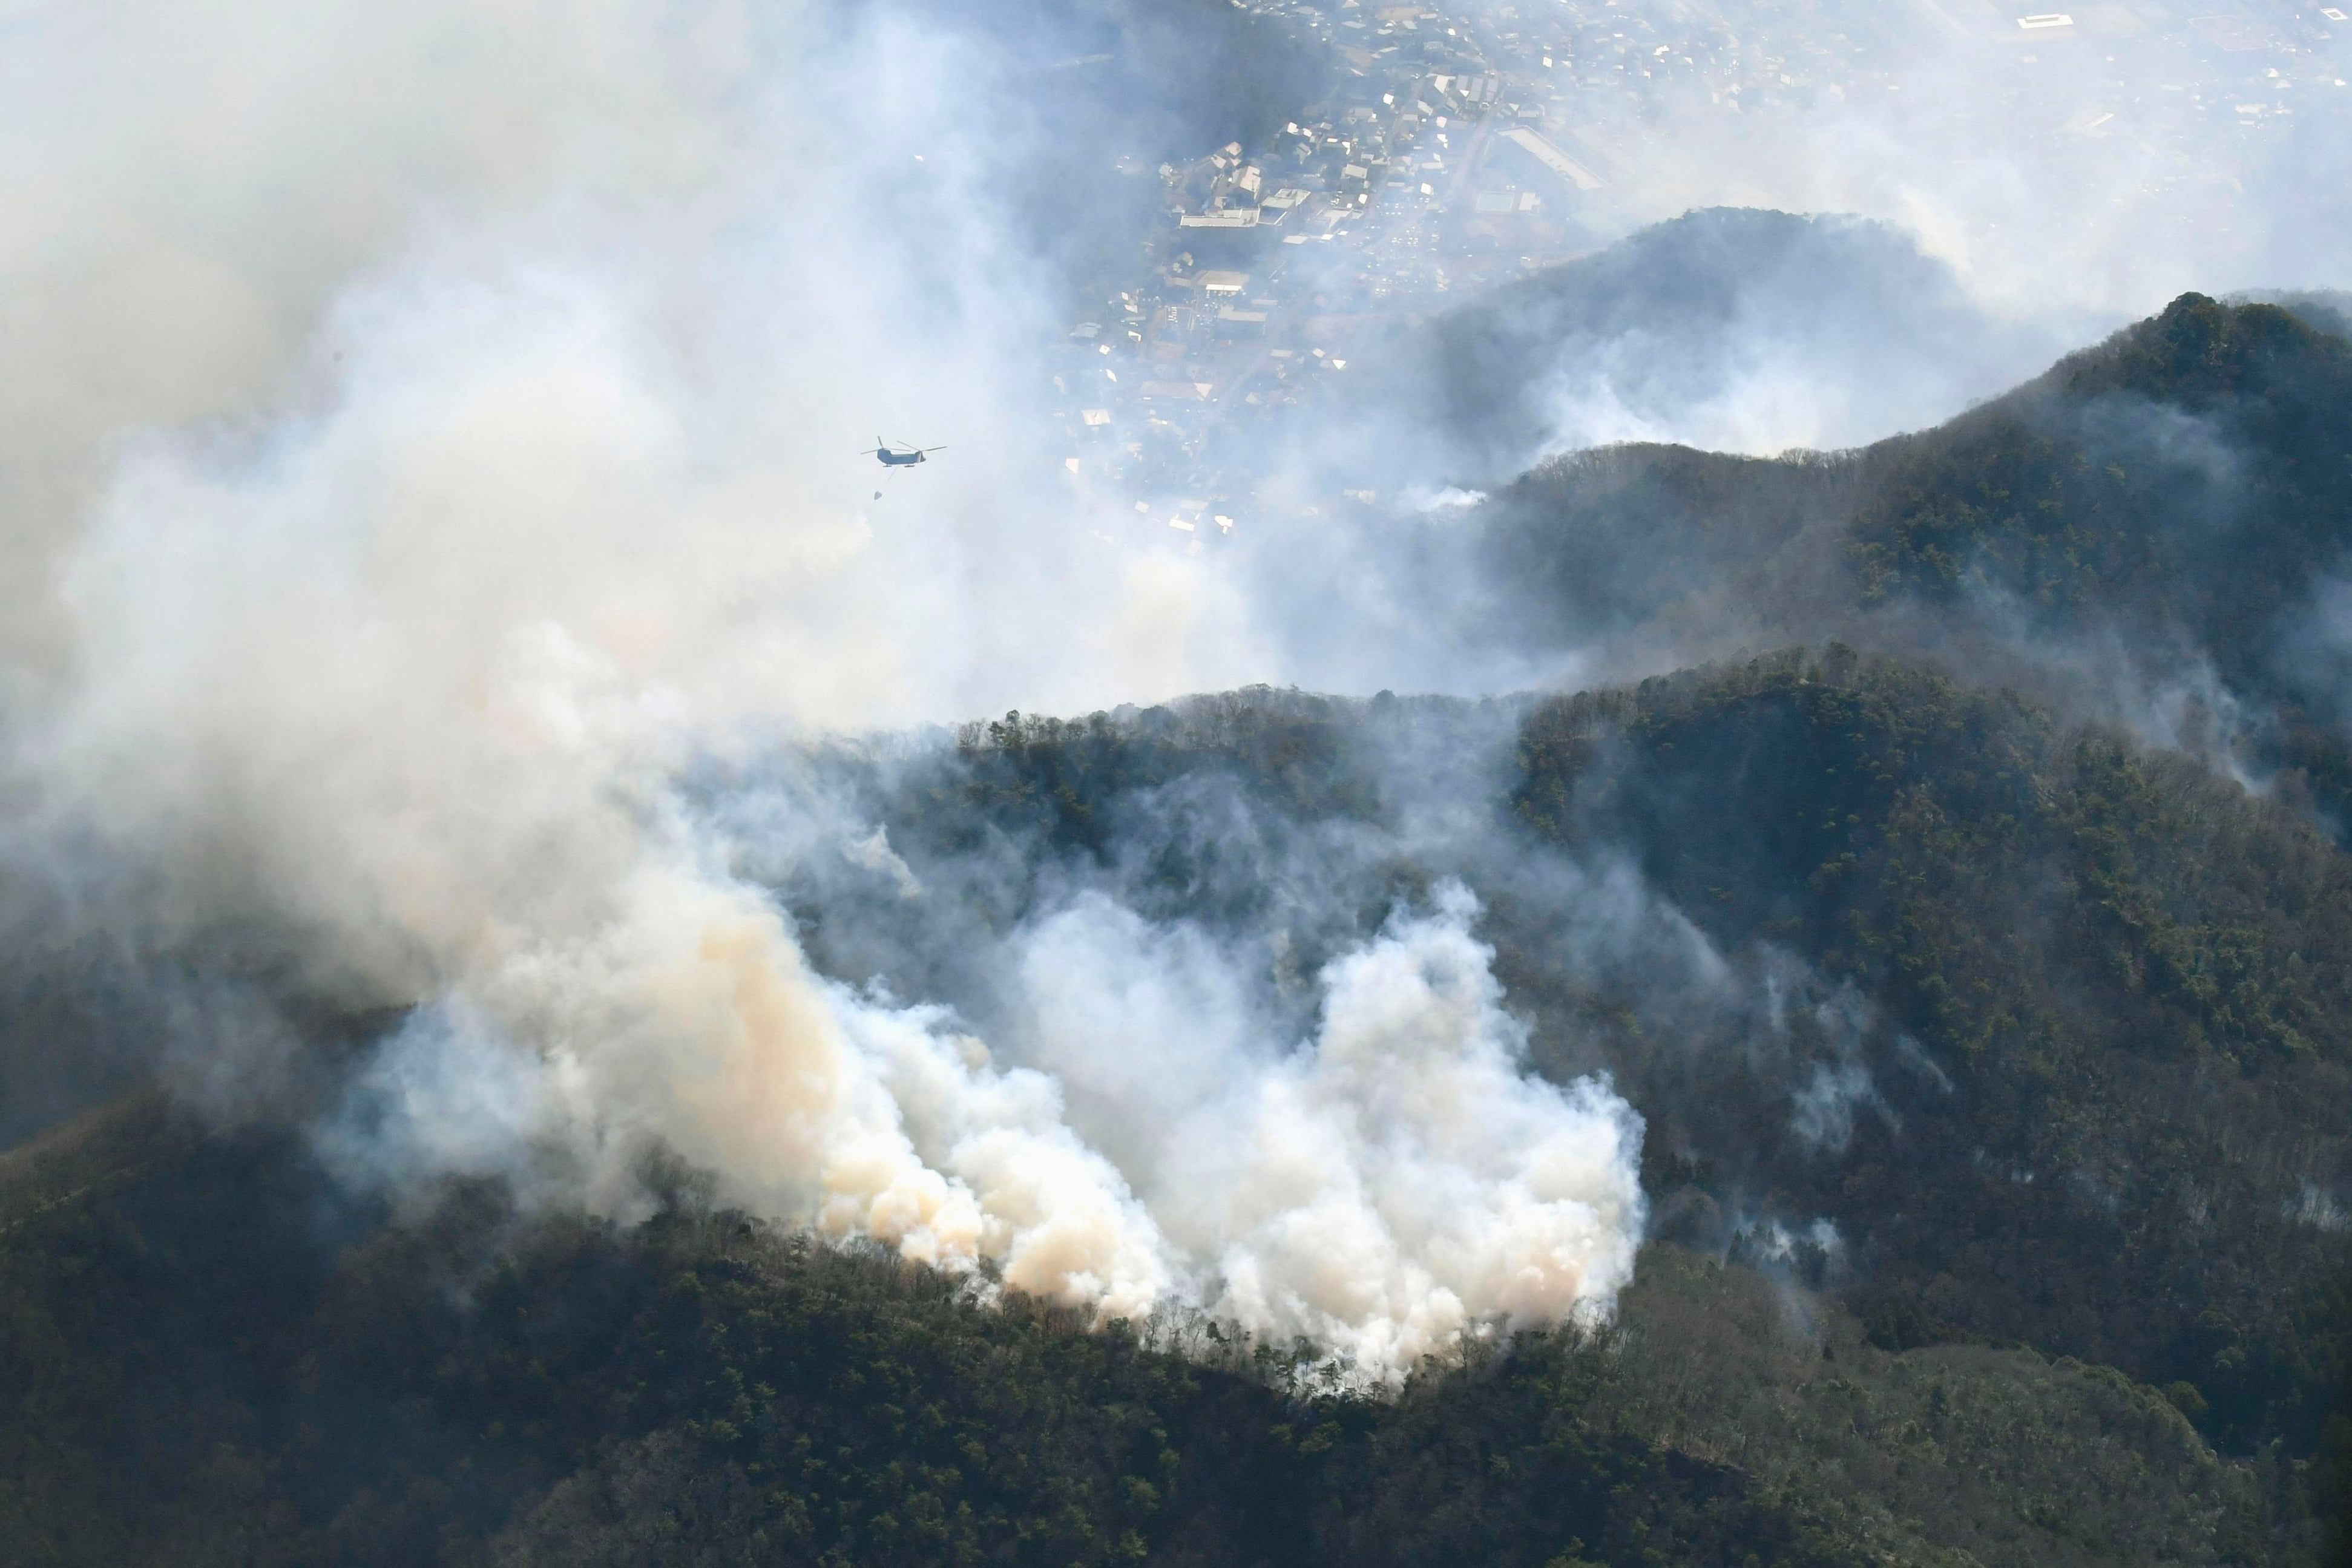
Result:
{"points": [[432, 433]]}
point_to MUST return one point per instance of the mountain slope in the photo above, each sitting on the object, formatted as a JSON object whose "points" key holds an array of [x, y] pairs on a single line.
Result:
{"points": [[2154, 532], [2100, 1103], [208, 1379], [196, 1373]]}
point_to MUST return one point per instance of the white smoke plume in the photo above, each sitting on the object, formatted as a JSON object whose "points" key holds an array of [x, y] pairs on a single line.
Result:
{"points": [[1380, 1191], [1383, 1188], [477, 467]]}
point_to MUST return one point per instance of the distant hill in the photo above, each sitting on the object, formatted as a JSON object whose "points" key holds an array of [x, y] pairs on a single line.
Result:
{"points": [[2015, 1042], [1730, 328]]}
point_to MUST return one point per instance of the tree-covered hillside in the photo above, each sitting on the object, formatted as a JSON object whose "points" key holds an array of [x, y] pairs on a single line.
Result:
{"points": [[2114, 1061], [2156, 532], [205, 1364]]}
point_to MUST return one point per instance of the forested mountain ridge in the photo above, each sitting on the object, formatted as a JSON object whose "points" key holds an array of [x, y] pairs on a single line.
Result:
{"points": [[2131, 475], [2191, 479], [2154, 531]]}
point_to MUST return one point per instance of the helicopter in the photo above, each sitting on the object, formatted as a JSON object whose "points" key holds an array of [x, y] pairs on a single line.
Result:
{"points": [[891, 457]]}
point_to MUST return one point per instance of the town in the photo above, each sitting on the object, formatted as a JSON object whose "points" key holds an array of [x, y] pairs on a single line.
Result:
{"points": [[1461, 146]]}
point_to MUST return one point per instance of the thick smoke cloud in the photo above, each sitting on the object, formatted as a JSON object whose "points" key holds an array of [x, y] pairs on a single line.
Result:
{"points": [[1378, 1192], [379, 621]]}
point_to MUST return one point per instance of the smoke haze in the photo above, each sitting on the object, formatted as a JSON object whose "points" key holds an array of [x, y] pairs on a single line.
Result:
{"points": [[433, 434]]}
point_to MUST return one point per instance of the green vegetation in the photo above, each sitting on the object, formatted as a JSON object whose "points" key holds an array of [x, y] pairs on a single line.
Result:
{"points": [[2190, 479], [2132, 976], [2109, 1086], [2160, 514], [2121, 481], [2111, 1083], [1946, 1455], [203, 1366]]}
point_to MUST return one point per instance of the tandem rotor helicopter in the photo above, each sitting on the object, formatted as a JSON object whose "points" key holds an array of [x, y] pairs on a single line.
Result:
{"points": [[900, 457]]}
